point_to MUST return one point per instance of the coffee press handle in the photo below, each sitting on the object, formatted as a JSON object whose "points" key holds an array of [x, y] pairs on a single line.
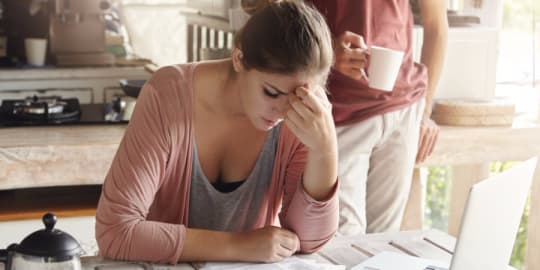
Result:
{"points": [[3, 256]]}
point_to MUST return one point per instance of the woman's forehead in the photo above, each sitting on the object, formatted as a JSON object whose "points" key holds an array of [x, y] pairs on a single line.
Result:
{"points": [[285, 82]]}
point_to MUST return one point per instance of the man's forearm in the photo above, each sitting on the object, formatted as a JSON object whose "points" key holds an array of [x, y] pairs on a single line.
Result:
{"points": [[435, 23], [433, 54]]}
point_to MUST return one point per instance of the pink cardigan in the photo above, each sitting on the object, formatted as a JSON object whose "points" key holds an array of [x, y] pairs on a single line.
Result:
{"points": [[143, 209]]}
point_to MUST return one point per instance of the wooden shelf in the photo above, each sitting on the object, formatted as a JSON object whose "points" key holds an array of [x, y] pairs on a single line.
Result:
{"points": [[65, 201]]}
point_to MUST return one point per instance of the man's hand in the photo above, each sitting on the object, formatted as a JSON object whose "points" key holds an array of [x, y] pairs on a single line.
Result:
{"points": [[351, 55], [429, 132]]}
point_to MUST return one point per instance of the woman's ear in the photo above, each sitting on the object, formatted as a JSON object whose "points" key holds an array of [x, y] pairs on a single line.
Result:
{"points": [[237, 60]]}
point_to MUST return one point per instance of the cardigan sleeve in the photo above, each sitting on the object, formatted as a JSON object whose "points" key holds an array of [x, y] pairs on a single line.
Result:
{"points": [[315, 222], [122, 229]]}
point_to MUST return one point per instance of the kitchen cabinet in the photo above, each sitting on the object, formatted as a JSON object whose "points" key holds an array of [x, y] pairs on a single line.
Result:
{"points": [[213, 7], [470, 66], [89, 84]]}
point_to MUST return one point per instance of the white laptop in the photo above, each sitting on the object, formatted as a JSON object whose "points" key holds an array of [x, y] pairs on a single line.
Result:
{"points": [[488, 228]]}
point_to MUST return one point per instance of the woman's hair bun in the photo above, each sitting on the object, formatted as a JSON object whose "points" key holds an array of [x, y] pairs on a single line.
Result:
{"points": [[252, 6]]}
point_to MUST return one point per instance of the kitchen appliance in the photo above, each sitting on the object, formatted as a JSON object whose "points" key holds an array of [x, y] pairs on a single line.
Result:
{"points": [[75, 30], [48, 248], [20, 23], [40, 109], [77, 33], [55, 110], [123, 107], [125, 104], [132, 87]]}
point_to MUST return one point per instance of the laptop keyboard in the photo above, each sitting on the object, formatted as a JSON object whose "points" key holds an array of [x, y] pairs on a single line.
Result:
{"points": [[435, 268], [427, 268]]}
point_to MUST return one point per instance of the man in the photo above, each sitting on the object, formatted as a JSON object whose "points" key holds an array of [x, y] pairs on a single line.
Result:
{"points": [[381, 134]]}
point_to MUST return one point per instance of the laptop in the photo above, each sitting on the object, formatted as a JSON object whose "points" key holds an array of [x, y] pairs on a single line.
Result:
{"points": [[488, 228]]}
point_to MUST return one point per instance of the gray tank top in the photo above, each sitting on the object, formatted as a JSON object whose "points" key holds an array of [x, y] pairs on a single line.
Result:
{"points": [[237, 210]]}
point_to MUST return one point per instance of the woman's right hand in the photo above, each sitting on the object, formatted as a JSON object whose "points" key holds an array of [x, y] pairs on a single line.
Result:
{"points": [[351, 53], [268, 244]]}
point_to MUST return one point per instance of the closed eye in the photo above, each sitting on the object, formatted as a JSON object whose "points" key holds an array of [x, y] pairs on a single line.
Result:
{"points": [[270, 93]]}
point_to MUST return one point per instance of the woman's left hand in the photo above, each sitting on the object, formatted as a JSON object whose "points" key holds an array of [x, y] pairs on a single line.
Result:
{"points": [[310, 119]]}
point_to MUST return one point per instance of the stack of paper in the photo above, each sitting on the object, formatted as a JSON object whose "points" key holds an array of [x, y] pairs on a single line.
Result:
{"points": [[288, 263]]}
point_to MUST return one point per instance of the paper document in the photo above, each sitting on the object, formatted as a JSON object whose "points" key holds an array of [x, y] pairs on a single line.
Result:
{"points": [[387, 260], [288, 263]]}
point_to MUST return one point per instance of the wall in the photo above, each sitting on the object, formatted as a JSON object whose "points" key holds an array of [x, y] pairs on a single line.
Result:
{"points": [[471, 62], [158, 31]]}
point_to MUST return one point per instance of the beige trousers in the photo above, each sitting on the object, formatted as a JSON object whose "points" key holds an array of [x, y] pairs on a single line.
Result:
{"points": [[376, 161]]}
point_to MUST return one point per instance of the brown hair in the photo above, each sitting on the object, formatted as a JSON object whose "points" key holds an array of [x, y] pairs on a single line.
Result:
{"points": [[286, 37]]}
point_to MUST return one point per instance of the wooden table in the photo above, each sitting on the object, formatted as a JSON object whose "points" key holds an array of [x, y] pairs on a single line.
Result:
{"points": [[348, 251]]}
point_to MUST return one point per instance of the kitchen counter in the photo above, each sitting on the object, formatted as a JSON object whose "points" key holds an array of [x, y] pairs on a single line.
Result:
{"points": [[57, 156], [459, 145], [469, 151], [16, 74], [71, 155]]}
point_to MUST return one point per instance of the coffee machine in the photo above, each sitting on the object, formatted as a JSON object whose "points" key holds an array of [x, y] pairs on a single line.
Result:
{"points": [[77, 33], [75, 30], [21, 21]]}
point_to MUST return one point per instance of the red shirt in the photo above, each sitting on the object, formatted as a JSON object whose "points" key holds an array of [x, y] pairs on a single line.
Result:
{"points": [[385, 23]]}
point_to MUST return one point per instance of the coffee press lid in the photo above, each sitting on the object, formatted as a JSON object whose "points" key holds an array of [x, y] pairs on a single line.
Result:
{"points": [[50, 242]]}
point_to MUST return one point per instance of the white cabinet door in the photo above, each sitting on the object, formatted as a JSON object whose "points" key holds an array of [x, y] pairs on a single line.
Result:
{"points": [[215, 7], [471, 62]]}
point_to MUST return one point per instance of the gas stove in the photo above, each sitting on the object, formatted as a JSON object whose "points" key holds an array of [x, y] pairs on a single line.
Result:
{"points": [[54, 110]]}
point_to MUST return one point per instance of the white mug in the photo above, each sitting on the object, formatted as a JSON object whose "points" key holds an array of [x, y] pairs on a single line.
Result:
{"points": [[384, 65], [36, 49]]}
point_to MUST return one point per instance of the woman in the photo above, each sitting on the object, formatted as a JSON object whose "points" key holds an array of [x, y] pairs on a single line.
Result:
{"points": [[206, 166]]}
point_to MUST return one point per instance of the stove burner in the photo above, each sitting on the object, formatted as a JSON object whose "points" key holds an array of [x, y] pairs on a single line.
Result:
{"points": [[40, 110], [39, 105]]}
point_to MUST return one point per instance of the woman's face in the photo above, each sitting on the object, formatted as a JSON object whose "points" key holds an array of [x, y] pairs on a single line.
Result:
{"points": [[265, 96]]}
